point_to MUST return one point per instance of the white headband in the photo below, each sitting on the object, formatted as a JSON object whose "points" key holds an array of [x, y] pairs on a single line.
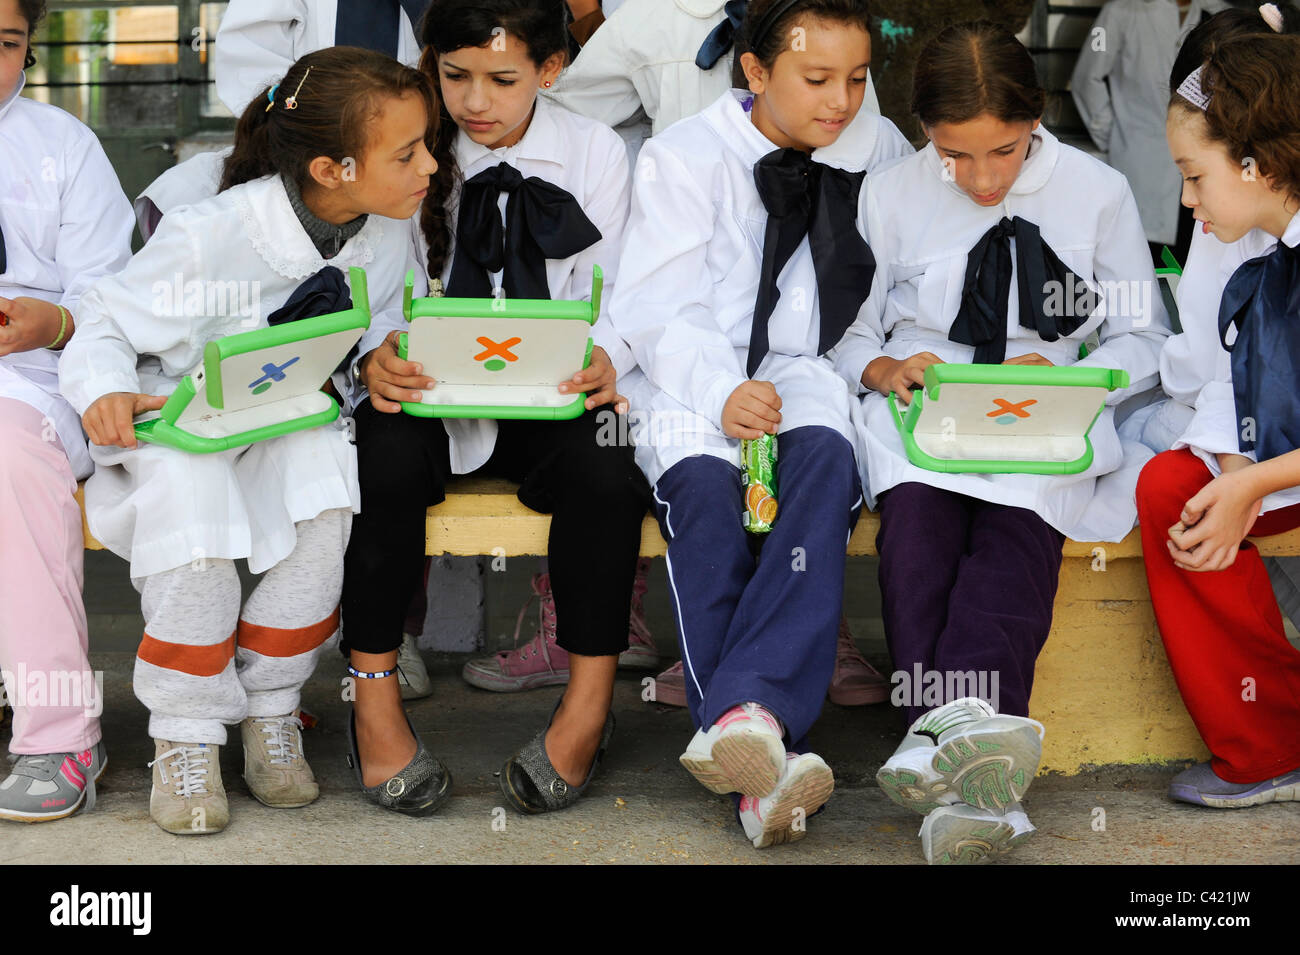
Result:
{"points": [[1190, 90]]}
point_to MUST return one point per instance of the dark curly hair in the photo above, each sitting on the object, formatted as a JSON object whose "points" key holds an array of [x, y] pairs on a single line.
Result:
{"points": [[33, 11]]}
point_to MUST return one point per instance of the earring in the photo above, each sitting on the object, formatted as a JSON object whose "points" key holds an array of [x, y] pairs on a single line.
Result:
{"points": [[546, 83]]}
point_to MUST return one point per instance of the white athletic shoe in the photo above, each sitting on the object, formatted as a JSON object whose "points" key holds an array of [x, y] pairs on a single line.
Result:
{"points": [[964, 835], [783, 815], [743, 752], [963, 752], [412, 675]]}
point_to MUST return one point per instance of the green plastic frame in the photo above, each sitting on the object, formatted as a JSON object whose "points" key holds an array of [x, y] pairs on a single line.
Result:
{"points": [[164, 430], [536, 308], [1025, 375]]}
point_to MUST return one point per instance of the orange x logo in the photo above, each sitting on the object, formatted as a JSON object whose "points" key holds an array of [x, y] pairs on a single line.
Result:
{"points": [[498, 349], [1006, 407]]}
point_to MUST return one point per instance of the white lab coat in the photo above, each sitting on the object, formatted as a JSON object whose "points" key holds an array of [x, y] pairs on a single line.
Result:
{"points": [[66, 223], [921, 226], [690, 273], [1215, 428], [588, 160], [259, 40], [643, 58], [1121, 88], [162, 508]]}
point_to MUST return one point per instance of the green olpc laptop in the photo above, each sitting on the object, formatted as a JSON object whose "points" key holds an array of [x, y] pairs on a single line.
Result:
{"points": [[499, 358], [1011, 419], [261, 384]]}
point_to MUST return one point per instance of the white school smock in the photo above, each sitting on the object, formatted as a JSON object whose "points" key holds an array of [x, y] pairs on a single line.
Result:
{"points": [[1214, 428], [66, 223], [692, 259], [643, 57], [259, 40], [586, 159], [142, 332], [1120, 86], [921, 226]]}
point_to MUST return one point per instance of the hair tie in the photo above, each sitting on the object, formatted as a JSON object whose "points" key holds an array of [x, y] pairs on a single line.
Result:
{"points": [[1272, 16], [1190, 90], [270, 95]]}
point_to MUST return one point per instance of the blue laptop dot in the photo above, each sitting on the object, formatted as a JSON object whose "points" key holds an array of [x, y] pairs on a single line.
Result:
{"points": [[496, 364], [1006, 419]]}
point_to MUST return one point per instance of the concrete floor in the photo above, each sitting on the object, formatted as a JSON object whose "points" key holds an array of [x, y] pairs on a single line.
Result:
{"points": [[642, 807]]}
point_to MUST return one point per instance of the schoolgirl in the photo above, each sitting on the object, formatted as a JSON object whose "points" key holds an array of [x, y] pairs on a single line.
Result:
{"points": [[323, 164], [64, 222], [528, 197], [969, 562], [1234, 131], [741, 268]]}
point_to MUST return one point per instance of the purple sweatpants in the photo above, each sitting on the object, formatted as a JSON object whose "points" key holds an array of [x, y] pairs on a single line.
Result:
{"points": [[967, 590]]}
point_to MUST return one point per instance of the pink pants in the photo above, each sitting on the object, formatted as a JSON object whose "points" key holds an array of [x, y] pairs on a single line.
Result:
{"points": [[43, 639]]}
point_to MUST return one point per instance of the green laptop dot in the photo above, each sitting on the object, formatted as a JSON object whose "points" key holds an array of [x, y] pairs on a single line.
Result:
{"points": [[496, 364], [261, 388]]}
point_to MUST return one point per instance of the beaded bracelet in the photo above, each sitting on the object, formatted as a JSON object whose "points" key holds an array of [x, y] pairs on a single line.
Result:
{"points": [[376, 675], [63, 328]]}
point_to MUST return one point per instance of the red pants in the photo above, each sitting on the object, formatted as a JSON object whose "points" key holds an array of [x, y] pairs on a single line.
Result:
{"points": [[1222, 630]]}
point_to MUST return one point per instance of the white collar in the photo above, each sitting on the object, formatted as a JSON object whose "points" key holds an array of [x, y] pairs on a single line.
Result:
{"points": [[1292, 234], [700, 9], [279, 238], [17, 91], [542, 140], [851, 151], [1044, 151]]}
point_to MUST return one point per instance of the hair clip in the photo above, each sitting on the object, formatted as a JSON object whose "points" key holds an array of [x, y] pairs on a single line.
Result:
{"points": [[292, 101], [270, 95], [1272, 16], [1190, 90]]}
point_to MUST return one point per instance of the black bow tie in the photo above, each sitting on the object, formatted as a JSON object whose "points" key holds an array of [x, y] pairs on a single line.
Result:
{"points": [[1262, 300], [722, 38], [542, 222], [982, 318], [807, 198]]}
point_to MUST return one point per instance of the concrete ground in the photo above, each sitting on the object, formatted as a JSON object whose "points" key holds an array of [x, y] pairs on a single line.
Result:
{"points": [[642, 807]]}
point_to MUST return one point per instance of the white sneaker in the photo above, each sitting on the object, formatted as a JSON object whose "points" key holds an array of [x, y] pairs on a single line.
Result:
{"points": [[963, 752], [412, 675], [742, 752], [964, 835], [783, 815]]}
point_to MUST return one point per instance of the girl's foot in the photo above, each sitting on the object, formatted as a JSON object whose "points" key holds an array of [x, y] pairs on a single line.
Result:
{"points": [[531, 782], [1201, 786], [387, 742], [418, 788], [964, 835], [572, 742], [742, 752], [783, 815]]}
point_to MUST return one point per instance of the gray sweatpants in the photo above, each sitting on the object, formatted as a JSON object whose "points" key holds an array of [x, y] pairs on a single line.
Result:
{"points": [[203, 664]]}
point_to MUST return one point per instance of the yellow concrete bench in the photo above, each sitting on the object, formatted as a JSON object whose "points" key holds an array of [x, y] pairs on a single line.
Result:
{"points": [[1102, 687]]}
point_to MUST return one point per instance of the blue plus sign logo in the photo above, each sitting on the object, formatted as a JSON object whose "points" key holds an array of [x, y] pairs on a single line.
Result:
{"points": [[271, 373]]}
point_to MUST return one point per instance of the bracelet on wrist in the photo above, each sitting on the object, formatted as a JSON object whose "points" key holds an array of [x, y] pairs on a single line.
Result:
{"points": [[63, 328]]}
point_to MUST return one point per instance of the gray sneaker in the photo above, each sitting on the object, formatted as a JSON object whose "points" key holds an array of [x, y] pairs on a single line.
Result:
{"points": [[188, 798], [412, 675], [274, 765], [1201, 786], [51, 786]]}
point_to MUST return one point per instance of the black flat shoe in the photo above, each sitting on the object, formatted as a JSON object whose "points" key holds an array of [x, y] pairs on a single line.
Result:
{"points": [[419, 789], [531, 784]]}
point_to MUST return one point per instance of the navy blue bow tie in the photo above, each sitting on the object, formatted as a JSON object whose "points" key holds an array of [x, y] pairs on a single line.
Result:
{"points": [[1262, 301], [722, 38], [982, 317], [807, 198], [543, 222]]}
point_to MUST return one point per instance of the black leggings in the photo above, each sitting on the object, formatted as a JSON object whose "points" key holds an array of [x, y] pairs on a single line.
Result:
{"points": [[595, 492]]}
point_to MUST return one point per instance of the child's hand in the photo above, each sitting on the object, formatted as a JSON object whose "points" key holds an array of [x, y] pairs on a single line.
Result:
{"points": [[110, 420], [28, 324], [1213, 524], [753, 410], [887, 374], [599, 380], [1033, 358], [389, 378]]}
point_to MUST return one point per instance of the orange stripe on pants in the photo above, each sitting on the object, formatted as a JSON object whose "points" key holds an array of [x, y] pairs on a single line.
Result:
{"points": [[274, 642], [196, 661]]}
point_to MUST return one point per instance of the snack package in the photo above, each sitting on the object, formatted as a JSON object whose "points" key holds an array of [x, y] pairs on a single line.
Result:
{"points": [[758, 477]]}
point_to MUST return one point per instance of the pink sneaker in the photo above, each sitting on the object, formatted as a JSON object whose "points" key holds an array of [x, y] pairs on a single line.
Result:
{"points": [[742, 752], [539, 662], [670, 686], [640, 653], [855, 682]]}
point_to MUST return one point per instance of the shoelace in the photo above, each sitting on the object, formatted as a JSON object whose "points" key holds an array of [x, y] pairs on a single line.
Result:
{"points": [[192, 779], [45, 767], [285, 738], [846, 651], [541, 584]]}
